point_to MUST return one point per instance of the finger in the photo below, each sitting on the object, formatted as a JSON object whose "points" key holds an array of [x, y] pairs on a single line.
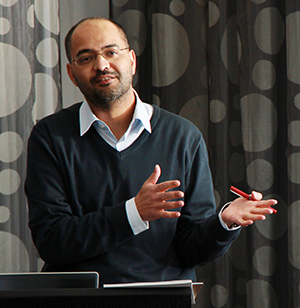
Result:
{"points": [[167, 185], [153, 178], [169, 214], [169, 205], [250, 217], [268, 204], [246, 223], [163, 210], [263, 211], [170, 195]]}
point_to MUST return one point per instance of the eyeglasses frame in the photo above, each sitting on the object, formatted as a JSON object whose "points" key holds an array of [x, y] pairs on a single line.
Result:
{"points": [[96, 55]]}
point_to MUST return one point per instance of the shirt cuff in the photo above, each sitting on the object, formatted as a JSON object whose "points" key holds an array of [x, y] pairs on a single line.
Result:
{"points": [[223, 223], [136, 223]]}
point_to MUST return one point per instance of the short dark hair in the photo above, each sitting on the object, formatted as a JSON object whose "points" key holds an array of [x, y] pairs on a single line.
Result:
{"points": [[68, 37]]}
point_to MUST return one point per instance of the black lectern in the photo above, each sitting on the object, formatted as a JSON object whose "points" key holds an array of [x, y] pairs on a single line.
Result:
{"points": [[97, 298]]}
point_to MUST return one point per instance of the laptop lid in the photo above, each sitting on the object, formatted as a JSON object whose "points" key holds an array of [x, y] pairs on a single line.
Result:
{"points": [[48, 280]]}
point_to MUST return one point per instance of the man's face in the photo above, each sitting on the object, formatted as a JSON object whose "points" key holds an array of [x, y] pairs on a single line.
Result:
{"points": [[102, 81]]}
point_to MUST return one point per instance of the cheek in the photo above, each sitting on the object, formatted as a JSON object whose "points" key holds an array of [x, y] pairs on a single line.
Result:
{"points": [[82, 76], [129, 69], [82, 81]]}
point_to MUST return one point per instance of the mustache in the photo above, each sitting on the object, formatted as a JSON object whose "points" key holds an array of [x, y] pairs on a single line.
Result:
{"points": [[103, 73]]}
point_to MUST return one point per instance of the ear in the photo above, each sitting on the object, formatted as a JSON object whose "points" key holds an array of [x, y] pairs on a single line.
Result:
{"points": [[71, 73], [132, 56]]}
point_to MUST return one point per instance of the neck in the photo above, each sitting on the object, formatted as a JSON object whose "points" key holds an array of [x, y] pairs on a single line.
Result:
{"points": [[119, 116]]}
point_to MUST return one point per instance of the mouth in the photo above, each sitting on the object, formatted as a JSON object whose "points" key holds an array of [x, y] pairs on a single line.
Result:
{"points": [[104, 79]]}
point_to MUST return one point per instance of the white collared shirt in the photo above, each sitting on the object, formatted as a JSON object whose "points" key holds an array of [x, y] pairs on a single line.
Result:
{"points": [[140, 121]]}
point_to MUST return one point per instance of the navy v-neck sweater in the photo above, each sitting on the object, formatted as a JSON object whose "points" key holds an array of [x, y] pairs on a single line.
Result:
{"points": [[77, 188]]}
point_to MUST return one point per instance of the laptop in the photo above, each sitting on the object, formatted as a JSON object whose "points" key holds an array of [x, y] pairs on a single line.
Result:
{"points": [[48, 280]]}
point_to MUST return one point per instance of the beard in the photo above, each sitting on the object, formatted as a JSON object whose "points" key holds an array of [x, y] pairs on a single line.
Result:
{"points": [[107, 96]]}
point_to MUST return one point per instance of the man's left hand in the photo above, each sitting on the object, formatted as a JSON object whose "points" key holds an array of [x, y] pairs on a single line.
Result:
{"points": [[244, 212]]}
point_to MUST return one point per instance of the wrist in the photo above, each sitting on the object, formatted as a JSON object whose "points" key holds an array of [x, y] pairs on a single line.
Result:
{"points": [[229, 224]]}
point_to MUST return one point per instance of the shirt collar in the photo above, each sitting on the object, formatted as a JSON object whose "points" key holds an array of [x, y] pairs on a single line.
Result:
{"points": [[142, 112]]}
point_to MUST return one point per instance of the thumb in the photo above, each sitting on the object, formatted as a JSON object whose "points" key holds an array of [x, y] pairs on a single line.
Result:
{"points": [[153, 178], [256, 196]]}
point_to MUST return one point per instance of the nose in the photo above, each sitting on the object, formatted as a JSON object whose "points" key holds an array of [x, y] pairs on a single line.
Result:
{"points": [[101, 63]]}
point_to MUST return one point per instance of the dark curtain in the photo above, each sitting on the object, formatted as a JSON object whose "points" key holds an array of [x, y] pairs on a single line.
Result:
{"points": [[233, 68], [29, 90]]}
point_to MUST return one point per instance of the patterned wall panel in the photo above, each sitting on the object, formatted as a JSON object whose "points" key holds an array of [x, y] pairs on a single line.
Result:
{"points": [[29, 90], [232, 67]]}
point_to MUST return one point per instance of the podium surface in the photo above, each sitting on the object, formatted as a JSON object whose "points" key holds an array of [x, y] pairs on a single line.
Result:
{"points": [[97, 298]]}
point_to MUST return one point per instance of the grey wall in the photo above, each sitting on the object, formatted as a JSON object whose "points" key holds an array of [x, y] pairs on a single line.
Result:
{"points": [[70, 13]]}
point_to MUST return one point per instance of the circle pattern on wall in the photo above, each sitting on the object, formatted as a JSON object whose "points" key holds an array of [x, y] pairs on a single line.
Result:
{"points": [[224, 66], [29, 70]]}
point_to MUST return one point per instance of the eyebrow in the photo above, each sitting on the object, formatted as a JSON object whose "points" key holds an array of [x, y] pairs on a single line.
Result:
{"points": [[82, 51], [89, 50]]}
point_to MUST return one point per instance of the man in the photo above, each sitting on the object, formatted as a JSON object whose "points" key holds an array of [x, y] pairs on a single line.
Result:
{"points": [[121, 187]]}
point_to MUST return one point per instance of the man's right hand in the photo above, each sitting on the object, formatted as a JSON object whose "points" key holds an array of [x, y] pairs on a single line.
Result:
{"points": [[152, 201]]}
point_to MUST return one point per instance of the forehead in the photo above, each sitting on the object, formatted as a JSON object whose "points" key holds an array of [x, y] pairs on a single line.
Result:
{"points": [[96, 34]]}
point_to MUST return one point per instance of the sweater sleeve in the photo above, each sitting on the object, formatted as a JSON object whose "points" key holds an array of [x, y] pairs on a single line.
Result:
{"points": [[61, 230], [200, 237]]}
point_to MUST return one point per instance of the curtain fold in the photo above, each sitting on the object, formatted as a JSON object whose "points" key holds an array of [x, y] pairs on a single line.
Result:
{"points": [[232, 68], [29, 90]]}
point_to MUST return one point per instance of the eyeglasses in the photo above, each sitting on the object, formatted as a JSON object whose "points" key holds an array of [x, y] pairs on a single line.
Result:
{"points": [[110, 54]]}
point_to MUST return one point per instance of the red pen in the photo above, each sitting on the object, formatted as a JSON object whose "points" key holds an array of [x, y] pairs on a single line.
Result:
{"points": [[240, 193]]}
